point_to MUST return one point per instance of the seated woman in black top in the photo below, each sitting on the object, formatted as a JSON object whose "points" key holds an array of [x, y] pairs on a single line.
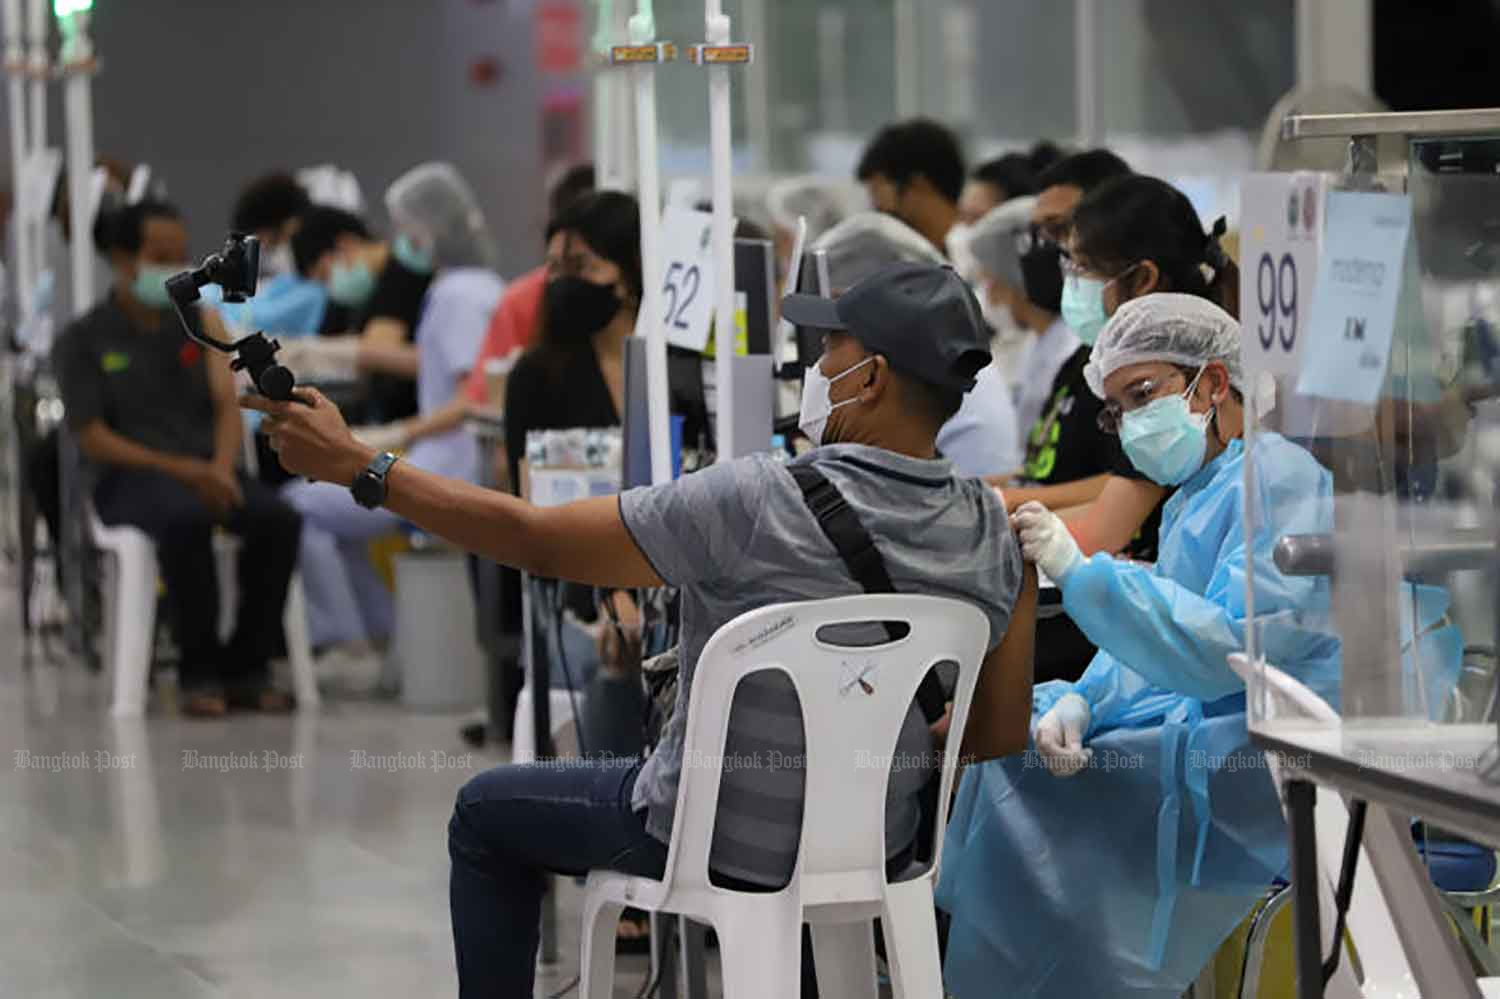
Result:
{"points": [[574, 375], [1132, 236]]}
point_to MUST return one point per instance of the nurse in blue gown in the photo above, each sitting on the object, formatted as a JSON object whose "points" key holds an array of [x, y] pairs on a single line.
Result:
{"points": [[1114, 859]]}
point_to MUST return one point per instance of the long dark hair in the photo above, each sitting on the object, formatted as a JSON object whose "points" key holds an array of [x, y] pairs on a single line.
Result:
{"points": [[610, 223], [1135, 218]]}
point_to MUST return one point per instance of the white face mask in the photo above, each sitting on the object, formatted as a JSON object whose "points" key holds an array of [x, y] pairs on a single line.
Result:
{"points": [[277, 261], [1002, 322], [816, 405]]}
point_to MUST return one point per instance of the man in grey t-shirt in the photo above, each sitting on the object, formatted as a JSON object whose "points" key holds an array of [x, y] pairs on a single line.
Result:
{"points": [[901, 349]]}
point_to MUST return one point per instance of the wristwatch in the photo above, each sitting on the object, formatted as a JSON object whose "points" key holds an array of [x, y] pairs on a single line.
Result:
{"points": [[369, 485]]}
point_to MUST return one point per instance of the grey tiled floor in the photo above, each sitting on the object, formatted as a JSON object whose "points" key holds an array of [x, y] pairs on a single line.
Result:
{"points": [[163, 881]]}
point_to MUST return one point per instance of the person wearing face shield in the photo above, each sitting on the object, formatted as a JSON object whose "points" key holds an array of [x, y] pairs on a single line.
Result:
{"points": [[901, 349], [439, 228], [1144, 805], [982, 438]]}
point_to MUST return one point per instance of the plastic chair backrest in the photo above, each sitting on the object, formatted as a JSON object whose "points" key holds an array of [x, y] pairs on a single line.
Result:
{"points": [[854, 701]]}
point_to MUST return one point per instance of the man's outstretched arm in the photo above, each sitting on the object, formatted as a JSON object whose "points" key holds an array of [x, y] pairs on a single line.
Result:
{"points": [[585, 542]]}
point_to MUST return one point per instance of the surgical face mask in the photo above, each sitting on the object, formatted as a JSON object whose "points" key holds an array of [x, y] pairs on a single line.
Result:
{"points": [[959, 245], [276, 262], [1083, 306], [1041, 273], [576, 309], [150, 285], [1000, 319], [411, 256], [1164, 439], [351, 285], [817, 407]]}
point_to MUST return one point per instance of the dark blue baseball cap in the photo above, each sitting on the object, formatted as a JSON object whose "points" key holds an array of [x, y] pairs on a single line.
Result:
{"points": [[923, 319]]}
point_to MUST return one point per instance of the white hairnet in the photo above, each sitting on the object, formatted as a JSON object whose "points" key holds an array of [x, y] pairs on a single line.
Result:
{"points": [[995, 239], [434, 207], [862, 244], [818, 199], [1166, 326]]}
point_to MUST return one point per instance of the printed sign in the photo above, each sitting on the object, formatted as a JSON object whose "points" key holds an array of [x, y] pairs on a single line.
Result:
{"points": [[1360, 277], [1281, 232]]}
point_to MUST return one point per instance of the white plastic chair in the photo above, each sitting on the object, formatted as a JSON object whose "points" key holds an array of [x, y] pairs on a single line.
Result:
{"points": [[132, 620], [854, 701]]}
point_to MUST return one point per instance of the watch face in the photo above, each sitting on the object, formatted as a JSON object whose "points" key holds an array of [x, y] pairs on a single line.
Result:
{"points": [[367, 490]]}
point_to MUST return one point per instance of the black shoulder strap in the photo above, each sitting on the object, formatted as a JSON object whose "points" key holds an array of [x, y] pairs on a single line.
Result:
{"points": [[857, 549]]}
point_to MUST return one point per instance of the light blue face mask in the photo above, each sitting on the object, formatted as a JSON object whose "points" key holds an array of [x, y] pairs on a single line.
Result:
{"points": [[150, 285], [1083, 304], [413, 257], [351, 285], [1164, 439]]}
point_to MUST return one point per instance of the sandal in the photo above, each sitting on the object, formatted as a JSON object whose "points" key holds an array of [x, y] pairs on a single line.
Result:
{"points": [[204, 704], [266, 700], [639, 925]]}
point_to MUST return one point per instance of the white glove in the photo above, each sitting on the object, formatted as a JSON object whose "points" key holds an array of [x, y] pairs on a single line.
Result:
{"points": [[1045, 540], [1059, 736]]}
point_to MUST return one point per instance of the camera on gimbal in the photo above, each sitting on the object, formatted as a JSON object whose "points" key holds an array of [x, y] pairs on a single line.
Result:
{"points": [[235, 270]]}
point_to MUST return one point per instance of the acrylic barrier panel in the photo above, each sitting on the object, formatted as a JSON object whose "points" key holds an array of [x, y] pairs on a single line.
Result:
{"points": [[1379, 594]]}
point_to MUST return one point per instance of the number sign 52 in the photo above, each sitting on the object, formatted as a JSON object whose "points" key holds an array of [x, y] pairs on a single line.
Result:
{"points": [[1276, 294], [680, 288]]}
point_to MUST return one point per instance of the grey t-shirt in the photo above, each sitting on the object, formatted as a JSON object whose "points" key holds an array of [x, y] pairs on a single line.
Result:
{"points": [[739, 536]]}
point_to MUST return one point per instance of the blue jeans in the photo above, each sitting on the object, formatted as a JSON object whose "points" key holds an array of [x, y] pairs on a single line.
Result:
{"points": [[511, 826]]}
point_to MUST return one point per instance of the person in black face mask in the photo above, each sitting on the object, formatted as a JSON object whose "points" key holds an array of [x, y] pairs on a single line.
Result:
{"points": [[574, 374]]}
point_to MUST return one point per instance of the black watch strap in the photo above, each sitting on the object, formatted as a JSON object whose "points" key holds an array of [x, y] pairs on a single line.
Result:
{"points": [[369, 486]]}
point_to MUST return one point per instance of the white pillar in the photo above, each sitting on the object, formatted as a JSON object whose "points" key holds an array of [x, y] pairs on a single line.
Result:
{"points": [[1085, 77], [643, 32], [15, 69], [614, 140], [908, 60], [758, 83], [1335, 43], [37, 22], [78, 107], [833, 71], [720, 138]]}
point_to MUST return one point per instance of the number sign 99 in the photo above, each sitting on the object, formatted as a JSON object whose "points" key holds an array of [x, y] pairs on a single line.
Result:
{"points": [[1276, 293]]}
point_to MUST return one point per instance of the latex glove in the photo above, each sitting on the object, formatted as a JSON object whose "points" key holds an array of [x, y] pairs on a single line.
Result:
{"points": [[1045, 540], [1059, 736], [385, 437]]}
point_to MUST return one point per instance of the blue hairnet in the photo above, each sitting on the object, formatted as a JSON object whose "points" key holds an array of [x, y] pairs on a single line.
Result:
{"points": [[1166, 326]]}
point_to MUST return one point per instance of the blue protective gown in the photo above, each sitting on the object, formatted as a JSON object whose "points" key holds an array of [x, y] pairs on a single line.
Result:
{"points": [[1125, 879]]}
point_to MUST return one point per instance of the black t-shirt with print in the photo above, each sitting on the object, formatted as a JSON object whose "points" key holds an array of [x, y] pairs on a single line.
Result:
{"points": [[1065, 445]]}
